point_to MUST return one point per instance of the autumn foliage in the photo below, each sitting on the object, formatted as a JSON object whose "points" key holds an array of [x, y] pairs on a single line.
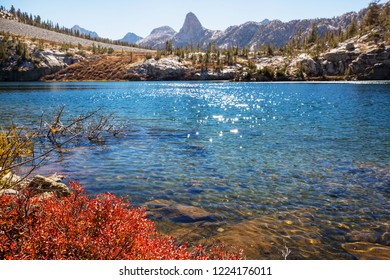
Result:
{"points": [[84, 228]]}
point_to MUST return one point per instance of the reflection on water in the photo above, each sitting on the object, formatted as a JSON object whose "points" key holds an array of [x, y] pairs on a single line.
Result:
{"points": [[299, 165]]}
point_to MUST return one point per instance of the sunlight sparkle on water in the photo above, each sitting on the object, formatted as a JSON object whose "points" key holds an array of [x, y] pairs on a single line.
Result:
{"points": [[310, 160]]}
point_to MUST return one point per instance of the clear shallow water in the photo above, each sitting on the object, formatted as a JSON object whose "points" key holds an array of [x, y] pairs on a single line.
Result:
{"points": [[307, 165]]}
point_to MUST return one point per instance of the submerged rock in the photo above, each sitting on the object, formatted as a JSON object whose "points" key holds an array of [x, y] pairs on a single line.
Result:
{"points": [[178, 213], [367, 251]]}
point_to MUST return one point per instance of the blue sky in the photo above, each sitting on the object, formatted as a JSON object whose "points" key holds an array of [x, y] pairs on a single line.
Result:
{"points": [[113, 19]]}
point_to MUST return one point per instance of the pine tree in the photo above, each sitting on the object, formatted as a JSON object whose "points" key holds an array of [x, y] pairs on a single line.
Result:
{"points": [[384, 16], [3, 52], [198, 47], [270, 50], [12, 10], [313, 36], [169, 46], [372, 16], [352, 28]]}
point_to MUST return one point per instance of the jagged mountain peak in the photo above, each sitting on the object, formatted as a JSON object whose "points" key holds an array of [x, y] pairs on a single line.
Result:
{"points": [[250, 34]]}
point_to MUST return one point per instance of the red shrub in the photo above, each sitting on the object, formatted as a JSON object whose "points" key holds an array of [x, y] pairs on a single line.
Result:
{"points": [[82, 228]]}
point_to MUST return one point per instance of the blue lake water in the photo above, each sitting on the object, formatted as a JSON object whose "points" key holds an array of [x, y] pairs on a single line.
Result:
{"points": [[301, 164]]}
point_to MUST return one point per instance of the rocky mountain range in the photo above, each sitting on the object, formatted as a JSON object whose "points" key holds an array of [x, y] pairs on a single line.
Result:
{"points": [[250, 34]]}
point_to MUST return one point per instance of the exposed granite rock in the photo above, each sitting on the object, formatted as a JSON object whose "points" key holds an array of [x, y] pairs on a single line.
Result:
{"points": [[273, 62], [162, 69], [372, 65], [41, 185], [306, 64], [42, 63], [226, 74], [337, 61]]}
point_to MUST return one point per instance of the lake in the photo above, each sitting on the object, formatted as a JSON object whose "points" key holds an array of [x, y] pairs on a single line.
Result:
{"points": [[298, 165]]}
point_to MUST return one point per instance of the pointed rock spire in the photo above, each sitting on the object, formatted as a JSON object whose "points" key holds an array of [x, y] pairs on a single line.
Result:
{"points": [[192, 26]]}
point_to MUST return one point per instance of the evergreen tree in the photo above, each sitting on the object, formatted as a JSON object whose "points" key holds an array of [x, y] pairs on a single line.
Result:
{"points": [[3, 52], [94, 49], [22, 51], [198, 47], [270, 50], [37, 20], [169, 46], [313, 36], [12, 10], [352, 28], [372, 16], [384, 16]]}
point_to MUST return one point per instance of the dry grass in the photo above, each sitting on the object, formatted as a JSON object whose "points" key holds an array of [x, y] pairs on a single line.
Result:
{"points": [[105, 67]]}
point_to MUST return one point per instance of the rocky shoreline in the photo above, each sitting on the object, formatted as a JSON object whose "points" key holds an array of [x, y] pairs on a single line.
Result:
{"points": [[37, 185], [355, 59]]}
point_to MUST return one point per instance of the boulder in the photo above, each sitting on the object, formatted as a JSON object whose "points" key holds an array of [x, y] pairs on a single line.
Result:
{"points": [[307, 64], [328, 67], [39, 185], [350, 46], [372, 65], [336, 55]]}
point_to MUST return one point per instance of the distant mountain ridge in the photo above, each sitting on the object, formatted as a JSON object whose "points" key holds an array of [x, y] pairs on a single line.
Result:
{"points": [[131, 38], [84, 31], [250, 34]]}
